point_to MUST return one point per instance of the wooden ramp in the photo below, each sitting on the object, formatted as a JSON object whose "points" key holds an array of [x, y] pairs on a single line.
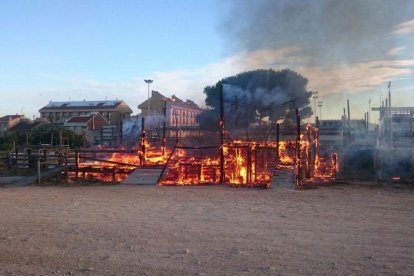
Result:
{"points": [[284, 178], [143, 176]]}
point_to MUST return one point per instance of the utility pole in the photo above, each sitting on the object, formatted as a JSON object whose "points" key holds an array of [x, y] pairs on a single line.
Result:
{"points": [[320, 103], [222, 177], [389, 110], [349, 121], [369, 114], [148, 82], [314, 97]]}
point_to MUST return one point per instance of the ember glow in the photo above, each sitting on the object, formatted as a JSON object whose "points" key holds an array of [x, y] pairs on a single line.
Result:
{"points": [[396, 178], [116, 166], [253, 164], [246, 163]]}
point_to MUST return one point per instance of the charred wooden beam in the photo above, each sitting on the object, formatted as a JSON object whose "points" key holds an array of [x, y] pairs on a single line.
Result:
{"points": [[298, 163], [277, 141], [109, 162], [164, 141], [222, 176]]}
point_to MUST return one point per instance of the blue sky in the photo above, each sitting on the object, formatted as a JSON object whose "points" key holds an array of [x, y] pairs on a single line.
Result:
{"points": [[61, 50], [107, 40]]}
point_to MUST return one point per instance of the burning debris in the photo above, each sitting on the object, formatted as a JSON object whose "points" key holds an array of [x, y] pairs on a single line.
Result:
{"points": [[246, 163]]}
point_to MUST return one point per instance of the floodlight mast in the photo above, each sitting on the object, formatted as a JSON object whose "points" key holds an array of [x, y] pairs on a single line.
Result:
{"points": [[148, 82]]}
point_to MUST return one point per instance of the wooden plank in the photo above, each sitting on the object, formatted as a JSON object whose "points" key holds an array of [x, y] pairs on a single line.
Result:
{"points": [[143, 177]]}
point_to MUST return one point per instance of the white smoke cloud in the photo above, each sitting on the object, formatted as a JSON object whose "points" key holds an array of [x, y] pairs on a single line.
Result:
{"points": [[404, 28], [395, 51]]}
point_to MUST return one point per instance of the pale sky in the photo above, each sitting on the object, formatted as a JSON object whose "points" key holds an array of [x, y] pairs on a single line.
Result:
{"points": [[96, 50]]}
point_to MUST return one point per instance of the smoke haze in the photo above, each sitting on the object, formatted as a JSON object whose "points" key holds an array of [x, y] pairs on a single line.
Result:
{"points": [[327, 31], [342, 47]]}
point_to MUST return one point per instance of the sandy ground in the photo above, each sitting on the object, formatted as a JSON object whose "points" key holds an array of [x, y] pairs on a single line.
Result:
{"points": [[129, 230]]}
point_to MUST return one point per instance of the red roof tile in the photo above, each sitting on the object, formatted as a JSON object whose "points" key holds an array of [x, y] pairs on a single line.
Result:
{"points": [[79, 119], [8, 118]]}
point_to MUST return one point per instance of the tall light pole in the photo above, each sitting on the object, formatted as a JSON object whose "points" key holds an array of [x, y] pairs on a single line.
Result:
{"points": [[148, 81], [315, 97], [369, 114], [320, 109]]}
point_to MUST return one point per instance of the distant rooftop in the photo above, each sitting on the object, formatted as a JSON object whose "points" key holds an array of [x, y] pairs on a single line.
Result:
{"points": [[68, 105], [8, 118], [83, 103], [25, 126], [80, 119], [155, 95]]}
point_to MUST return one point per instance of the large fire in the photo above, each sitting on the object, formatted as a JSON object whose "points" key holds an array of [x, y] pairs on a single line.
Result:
{"points": [[246, 163]]}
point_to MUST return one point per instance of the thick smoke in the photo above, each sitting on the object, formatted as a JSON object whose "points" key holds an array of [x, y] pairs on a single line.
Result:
{"points": [[240, 104], [260, 97], [335, 37], [252, 96], [326, 31]]}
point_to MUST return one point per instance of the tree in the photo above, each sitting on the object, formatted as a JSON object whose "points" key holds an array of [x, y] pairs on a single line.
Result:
{"points": [[254, 95], [44, 134], [47, 133]]}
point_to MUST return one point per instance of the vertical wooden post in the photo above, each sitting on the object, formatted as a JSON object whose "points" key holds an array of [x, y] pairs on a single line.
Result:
{"points": [[76, 164], [200, 172], [164, 141], [298, 161], [309, 172], [249, 165], [142, 143], [60, 138], [58, 177], [45, 158], [277, 141], [221, 122], [254, 163], [297, 135], [113, 175], [39, 177], [66, 165], [315, 150], [143, 147], [27, 158], [335, 163]]}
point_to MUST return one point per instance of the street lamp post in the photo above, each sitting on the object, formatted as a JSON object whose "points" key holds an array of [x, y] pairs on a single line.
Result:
{"points": [[320, 109], [315, 97], [148, 81]]}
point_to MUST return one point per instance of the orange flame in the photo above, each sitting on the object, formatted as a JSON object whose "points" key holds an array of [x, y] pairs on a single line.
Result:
{"points": [[246, 163]]}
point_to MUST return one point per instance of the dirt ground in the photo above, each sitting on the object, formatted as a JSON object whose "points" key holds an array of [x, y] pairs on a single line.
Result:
{"points": [[130, 230]]}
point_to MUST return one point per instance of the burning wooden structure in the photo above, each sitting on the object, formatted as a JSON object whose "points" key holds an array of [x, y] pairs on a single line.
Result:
{"points": [[238, 162], [251, 163]]}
